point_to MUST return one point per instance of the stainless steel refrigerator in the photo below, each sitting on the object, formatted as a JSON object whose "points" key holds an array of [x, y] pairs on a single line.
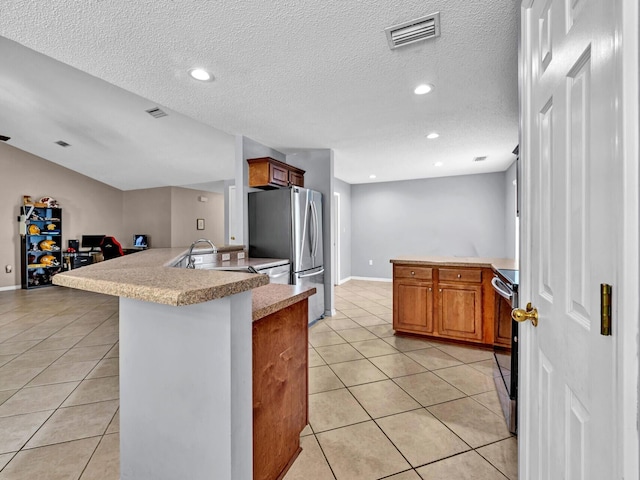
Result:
{"points": [[287, 223]]}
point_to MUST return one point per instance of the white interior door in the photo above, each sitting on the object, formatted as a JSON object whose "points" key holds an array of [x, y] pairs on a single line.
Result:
{"points": [[568, 371]]}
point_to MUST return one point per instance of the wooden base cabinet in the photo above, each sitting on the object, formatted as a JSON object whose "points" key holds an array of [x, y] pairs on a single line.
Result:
{"points": [[413, 289], [414, 306], [280, 392], [460, 311], [444, 301]]}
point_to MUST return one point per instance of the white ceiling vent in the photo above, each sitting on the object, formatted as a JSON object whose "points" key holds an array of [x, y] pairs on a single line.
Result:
{"points": [[156, 112], [62, 143], [479, 159], [413, 31]]}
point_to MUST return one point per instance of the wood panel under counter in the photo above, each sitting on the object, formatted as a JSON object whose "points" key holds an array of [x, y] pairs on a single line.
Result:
{"points": [[280, 377], [447, 298]]}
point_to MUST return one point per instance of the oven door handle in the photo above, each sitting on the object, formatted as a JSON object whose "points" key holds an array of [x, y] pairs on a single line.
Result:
{"points": [[500, 287]]}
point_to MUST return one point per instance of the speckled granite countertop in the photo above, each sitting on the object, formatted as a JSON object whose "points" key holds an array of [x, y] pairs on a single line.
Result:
{"points": [[274, 297], [495, 263], [146, 276]]}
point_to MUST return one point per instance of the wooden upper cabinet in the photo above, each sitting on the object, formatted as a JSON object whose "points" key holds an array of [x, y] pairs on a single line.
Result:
{"points": [[268, 173]]}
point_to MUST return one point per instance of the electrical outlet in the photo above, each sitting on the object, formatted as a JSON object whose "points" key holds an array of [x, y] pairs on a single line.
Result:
{"points": [[8, 268], [226, 256], [370, 262], [240, 255]]}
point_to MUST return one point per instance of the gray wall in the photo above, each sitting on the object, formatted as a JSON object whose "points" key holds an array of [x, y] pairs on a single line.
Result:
{"points": [[460, 216], [344, 189], [248, 148], [510, 211], [318, 167]]}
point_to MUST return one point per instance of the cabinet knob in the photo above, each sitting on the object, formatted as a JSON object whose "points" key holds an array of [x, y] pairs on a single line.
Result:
{"points": [[413, 273], [440, 290], [429, 288], [459, 276]]}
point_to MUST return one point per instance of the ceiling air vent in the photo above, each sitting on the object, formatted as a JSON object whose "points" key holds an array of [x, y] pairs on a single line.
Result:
{"points": [[156, 112], [413, 31], [479, 159], [62, 143], [4, 138]]}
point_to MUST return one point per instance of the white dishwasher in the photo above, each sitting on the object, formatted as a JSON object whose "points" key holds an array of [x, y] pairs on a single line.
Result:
{"points": [[277, 273]]}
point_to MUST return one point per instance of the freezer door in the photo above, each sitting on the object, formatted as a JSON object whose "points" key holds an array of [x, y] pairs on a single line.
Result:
{"points": [[270, 232], [313, 278], [307, 229]]}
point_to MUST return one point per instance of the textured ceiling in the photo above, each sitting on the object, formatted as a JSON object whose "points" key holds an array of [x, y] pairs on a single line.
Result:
{"points": [[289, 74]]}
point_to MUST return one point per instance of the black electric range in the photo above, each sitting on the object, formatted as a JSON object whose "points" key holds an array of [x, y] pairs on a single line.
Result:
{"points": [[506, 284]]}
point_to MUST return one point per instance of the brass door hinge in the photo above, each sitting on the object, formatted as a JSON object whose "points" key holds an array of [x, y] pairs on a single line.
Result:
{"points": [[605, 309]]}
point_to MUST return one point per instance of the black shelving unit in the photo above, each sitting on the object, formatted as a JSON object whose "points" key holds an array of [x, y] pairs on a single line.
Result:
{"points": [[41, 246]]}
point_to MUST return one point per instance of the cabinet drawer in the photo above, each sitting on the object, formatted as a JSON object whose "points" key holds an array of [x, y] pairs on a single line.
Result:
{"points": [[422, 273], [460, 275]]}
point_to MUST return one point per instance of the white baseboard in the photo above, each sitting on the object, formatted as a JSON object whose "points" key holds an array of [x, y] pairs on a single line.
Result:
{"points": [[372, 279], [344, 280], [10, 287]]}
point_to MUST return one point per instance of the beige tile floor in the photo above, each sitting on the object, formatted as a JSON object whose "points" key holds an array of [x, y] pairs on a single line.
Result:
{"points": [[380, 406]]}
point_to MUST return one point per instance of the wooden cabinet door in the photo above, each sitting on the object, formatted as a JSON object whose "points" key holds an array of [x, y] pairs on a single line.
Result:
{"points": [[413, 306], [278, 175], [296, 179], [502, 322], [460, 311], [280, 389]]}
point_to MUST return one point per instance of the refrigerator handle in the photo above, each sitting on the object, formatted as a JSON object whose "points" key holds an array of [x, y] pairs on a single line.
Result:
{"points": [[315, 228], [311, 274]]}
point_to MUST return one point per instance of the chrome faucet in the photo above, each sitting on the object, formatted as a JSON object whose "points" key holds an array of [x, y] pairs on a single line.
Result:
{"points": [[190, 261]]}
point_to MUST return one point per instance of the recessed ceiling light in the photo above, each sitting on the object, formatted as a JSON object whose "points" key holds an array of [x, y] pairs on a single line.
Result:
{"points": [[372, 176], [433, 136], [201, 74], [422, 89], [438, 164]]}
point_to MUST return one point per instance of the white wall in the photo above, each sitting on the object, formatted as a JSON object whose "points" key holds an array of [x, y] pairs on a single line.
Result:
{"points": [[248, 148], [344, 189], [147, 211], [460, 216], [510, 211], [186, 208]]}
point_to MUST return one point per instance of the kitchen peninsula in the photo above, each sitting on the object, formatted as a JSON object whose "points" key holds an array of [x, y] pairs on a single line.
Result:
{"points": [[448, 298], [186, 341]]}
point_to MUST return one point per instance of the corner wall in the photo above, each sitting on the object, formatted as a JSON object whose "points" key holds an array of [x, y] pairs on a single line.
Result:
{"points": [[88, 206], [148, 210], [186, 208]]}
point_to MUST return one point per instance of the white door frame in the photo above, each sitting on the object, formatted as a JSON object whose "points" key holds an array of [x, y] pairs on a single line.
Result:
{"points": [[626, 311], [336, 238]]}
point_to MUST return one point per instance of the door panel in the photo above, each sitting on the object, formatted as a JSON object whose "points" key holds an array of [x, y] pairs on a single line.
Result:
{"points": [[567, 370]]}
